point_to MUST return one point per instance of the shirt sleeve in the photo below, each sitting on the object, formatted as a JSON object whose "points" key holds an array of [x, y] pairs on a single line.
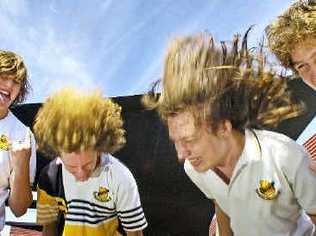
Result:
{"points": [[48, 204], [129, 208], [304, 185]]}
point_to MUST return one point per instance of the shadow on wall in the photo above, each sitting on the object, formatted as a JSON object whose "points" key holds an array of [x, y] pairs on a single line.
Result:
{"points": [[172, 203]]}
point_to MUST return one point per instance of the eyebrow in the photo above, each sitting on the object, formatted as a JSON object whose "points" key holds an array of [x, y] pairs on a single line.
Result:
{"points": [[186, 138], [74, 166], [298, 62]]}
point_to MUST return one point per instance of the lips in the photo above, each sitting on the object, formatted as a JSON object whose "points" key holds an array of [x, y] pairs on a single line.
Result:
{"points": [[195, 162], [4, 96]]}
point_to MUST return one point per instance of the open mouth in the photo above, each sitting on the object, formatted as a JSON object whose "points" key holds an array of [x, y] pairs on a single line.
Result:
{"points": [[4, 96], [195, 162]]}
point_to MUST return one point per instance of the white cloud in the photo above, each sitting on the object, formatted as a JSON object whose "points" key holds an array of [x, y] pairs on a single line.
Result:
{"points": [[53, 60], [14, 8], [59, 64], [115, 46]]}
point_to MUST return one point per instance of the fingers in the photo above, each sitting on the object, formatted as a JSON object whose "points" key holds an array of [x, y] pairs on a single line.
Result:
{"points": [[26, 143], [312, 165]]}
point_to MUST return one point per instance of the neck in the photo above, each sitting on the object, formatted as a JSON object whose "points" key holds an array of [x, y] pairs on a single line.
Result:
{"points": [[237, 145], [97, 164], [3, 113]]}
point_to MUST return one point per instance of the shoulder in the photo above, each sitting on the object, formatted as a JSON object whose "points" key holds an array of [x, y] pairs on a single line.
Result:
{"points": [[14, 127], [12, 121], [274, 137], [119, 171], [281, 149], [49, 175]]}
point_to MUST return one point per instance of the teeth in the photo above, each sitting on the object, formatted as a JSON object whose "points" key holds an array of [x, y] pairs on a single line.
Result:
{"points": [[194, 160], [5, 92], [4, 96]]}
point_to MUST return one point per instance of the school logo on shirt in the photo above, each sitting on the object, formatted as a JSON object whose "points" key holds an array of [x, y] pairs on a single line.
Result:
{"points": [[4, 143], [102, 195], [267, 190]]}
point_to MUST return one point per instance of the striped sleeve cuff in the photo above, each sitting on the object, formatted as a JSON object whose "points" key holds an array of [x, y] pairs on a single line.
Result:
{"points": [[133, 220]]}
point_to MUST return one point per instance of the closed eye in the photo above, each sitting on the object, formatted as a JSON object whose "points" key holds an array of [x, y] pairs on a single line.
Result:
{"points": [[301, 67], [16, 81]]}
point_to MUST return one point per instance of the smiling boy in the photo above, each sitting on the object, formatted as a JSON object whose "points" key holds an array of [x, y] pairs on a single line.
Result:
{"points": [[17, 144]]}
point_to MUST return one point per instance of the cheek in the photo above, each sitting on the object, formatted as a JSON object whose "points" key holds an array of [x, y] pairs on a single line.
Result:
{"points": [[72, 171], [203, 149], [16, 90], [91, 167], [216, 149]]}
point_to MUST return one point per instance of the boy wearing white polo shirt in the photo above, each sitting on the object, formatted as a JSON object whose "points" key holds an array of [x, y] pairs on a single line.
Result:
{"points": [[215, 100], [17, 144]]}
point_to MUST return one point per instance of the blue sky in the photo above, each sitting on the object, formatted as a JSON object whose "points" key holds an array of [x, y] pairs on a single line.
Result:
{"points": [[116, 46]]}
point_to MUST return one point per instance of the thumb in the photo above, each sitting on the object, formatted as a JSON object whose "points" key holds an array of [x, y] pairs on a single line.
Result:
{"points": [[25, 143]]}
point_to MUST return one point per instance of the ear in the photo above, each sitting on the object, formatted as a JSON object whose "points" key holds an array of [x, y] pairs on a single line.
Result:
{"points": [[225, 129]]}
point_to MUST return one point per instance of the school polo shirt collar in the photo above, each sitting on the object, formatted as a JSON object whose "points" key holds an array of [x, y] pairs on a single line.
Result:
{"points": [[105, 159], [250, 153]]}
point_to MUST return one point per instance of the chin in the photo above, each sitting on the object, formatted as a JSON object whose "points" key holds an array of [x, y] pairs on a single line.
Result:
{"points": [[82, 179], [201, 169]]}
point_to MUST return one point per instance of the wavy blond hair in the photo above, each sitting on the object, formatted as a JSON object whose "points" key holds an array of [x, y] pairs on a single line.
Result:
{"points": [[71, 121], [12, 64], [220, 82], [296, 24]]}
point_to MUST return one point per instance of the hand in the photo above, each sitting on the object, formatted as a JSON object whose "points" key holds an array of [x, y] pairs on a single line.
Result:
{"points": [[20, 152], [312, 166]]}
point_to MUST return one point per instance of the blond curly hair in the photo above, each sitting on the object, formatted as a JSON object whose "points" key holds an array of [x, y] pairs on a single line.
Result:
{"points": [[70, 121], [13, 65], [296, 24], [216, 82]]}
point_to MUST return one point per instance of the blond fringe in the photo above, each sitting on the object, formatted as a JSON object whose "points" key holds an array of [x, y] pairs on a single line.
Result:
{"points": [[70, 121]]}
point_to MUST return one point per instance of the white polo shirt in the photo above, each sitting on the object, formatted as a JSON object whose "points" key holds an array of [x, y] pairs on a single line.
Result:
{"points": [[281, 162], [11, 129]]}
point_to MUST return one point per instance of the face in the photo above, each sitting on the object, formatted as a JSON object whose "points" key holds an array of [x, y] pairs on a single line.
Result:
{"points": [[304, 60], [9, 90], [81, 164], [201, 147]]}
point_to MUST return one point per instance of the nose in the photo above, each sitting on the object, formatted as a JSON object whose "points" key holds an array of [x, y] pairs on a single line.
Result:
{"points": [[81, 174], [310, 79], [313, 72], [182, 151]]}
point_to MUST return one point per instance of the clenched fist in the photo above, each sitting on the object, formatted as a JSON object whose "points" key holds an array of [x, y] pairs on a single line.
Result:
{"points": [[20, 152]]}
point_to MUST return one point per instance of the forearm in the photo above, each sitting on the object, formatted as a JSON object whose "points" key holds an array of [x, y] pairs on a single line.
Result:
{"points": [[49, 230], [313, 218], [20, 190], [134, 233], [223, 222]]}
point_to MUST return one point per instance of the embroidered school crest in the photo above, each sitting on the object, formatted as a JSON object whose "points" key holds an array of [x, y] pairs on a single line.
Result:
{"points": [[267, 190], [102, 195], [4, 143]]}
